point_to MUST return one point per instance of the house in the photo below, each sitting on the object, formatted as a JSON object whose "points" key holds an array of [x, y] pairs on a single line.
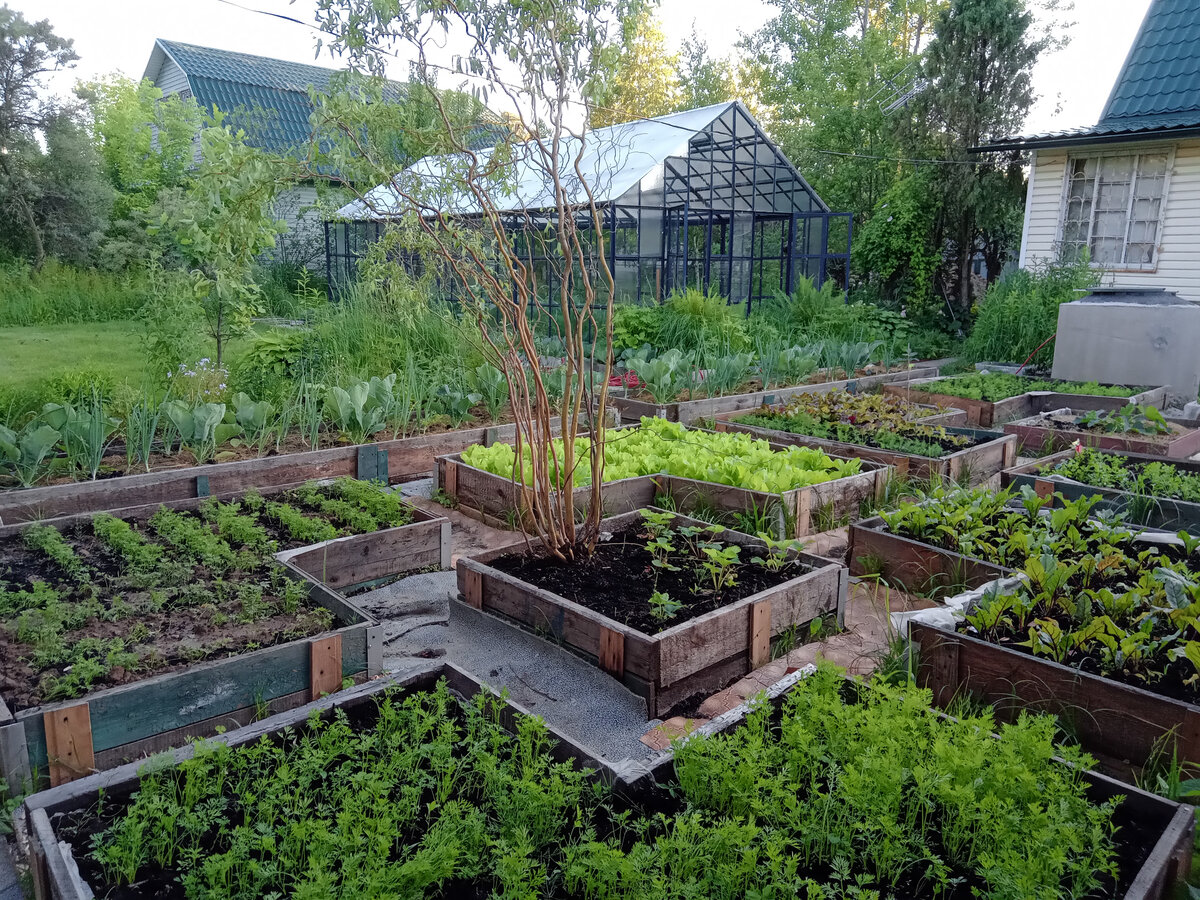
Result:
{"points": [[271, 100], [1128, 188], [701, 198]]}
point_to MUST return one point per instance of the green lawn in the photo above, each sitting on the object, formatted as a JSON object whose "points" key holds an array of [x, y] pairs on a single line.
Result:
{"points": [[31, 354]]}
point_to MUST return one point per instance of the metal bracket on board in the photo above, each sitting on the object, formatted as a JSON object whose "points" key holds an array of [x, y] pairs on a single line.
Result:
{"points": [[202, 488], [372, 463]]}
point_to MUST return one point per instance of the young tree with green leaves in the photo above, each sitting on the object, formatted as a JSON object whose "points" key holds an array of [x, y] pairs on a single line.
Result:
{"points": [[221, 221]]}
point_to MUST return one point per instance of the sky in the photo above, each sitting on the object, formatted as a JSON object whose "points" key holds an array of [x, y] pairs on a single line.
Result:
{"points": [[117, 35]]}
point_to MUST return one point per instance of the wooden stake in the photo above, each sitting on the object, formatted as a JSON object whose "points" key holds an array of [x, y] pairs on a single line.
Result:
{"points": [[325, 665], [472, 587], [1042, 487], [69, 743], [612, 651]]}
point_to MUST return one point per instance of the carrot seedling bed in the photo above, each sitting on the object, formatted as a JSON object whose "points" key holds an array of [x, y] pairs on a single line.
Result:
{"points": [[435, 786]]}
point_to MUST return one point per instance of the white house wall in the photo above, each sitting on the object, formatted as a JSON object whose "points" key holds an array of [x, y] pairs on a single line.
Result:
{"points": [[1178, 264], [171, 79]]}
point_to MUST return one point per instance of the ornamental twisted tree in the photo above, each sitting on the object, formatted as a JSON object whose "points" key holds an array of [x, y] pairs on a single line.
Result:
{"points": [[483, 216]]}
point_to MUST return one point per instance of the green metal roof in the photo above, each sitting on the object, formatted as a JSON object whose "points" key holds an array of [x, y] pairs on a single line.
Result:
{"points": [[271, 96], [1156, 94]]}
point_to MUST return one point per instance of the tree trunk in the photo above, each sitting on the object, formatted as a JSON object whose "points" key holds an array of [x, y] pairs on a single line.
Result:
{"points": [[39, 249]]}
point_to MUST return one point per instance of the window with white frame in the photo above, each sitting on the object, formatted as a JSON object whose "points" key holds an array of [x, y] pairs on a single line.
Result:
{"points": [[1113, 206]]}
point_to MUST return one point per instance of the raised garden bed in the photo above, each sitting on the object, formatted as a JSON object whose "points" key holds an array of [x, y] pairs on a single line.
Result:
{"points": [[1059, 428], [719, 637], [1122, 724], [1141, 496], [392, 461], [704, 844], [947, 453], [631, 409], [914, 566], [495, 500], [155, 621], [986, 413]]}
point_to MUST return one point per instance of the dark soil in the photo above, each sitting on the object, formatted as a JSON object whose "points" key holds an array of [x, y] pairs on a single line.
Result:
{"points": [[618, 580], [754, 385]]}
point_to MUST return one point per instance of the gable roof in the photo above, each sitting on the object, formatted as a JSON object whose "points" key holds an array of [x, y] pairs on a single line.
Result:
{"points": [[614, 160], [273, 93], [1156, 94]]}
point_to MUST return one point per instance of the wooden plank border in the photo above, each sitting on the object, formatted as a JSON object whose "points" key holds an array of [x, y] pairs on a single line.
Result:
{"points": [[689, 411], [912, 565], [1031, 434], [704, 653]]}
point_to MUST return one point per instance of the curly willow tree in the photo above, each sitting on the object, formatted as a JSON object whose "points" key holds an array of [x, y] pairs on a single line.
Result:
{"points": [[507, 226]]}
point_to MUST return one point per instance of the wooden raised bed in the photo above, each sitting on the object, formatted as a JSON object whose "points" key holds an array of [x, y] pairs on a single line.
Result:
{"points": [[704, 654], [55, 872], [997, 452], [1032, 433], [391, 461], [1113, 721], [689, 411], [912, 565], [986, 413], [494, 499], [59, 742], [1165, 512]]}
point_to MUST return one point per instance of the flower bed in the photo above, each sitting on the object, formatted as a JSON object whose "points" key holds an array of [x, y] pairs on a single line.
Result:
{"points": [[671, 609], [785, 490], [993, 398], [495, 772], [99, 606], [1132, 429], [881, 428], [1162, 493], [633, 409]]}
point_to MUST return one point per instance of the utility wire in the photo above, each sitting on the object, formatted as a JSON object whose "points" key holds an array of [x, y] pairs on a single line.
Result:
{"points": [[638, 118]]}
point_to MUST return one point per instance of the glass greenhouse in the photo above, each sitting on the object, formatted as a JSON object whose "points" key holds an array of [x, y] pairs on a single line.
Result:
{"points": [[700, 199]]}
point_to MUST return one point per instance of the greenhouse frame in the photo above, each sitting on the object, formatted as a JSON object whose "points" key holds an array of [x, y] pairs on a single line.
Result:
{"points": [[698, 199]]}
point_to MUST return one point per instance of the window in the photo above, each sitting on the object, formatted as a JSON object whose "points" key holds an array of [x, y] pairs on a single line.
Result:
{"points": [[1113, 206]]}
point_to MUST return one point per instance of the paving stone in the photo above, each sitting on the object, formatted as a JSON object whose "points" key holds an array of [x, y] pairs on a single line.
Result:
{"points": [[720, 703], [660, 737]]}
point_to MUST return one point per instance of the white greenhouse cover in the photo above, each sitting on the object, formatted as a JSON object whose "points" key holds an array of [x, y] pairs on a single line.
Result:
{"points": [[614, 160]]}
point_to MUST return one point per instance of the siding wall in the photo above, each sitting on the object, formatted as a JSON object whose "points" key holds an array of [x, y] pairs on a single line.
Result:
{"points": [[170, 78], [1179, 249]]}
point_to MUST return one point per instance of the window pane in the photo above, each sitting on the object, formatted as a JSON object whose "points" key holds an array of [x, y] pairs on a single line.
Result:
{"points": [[1152, 165], [1107, 251]]}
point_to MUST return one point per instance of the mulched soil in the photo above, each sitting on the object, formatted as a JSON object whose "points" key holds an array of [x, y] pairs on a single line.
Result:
{"points": [[618, 580]]}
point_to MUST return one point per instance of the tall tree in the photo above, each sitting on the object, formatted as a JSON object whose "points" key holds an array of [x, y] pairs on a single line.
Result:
{"points": [[979, 66], [643, 82], [703, 79], [28, 52]]}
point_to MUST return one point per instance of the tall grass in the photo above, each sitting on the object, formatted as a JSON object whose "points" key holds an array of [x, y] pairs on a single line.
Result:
{"points": [[1020, 312], [60, 294], [702, 325]]}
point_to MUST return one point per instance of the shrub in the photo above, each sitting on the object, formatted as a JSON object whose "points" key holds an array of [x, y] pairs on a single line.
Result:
{"points": [[703, 324], [634, 326], [1020, 312]]}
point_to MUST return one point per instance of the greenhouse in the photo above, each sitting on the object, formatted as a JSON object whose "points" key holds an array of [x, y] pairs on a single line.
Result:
{"points": [[698, 199]]}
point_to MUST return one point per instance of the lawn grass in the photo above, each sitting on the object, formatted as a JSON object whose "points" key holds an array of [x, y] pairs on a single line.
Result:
{"points": [[31, 356]]}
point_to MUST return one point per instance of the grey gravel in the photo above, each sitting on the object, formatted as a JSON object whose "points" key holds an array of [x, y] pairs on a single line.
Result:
{"points": [[590, 707]]}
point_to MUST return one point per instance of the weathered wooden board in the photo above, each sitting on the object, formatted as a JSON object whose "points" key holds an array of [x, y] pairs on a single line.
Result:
{"points": [[1105, 716], [1163, 512], [997, 451], [674, 663], [912, 565], [406, 458], [987, 413], [689, 411], [494, 499], [1034, 436]]}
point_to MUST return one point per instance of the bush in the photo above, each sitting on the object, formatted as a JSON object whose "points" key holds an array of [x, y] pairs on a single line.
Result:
{"points": [[634, 326], [1021, 311], [59, 293]]}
